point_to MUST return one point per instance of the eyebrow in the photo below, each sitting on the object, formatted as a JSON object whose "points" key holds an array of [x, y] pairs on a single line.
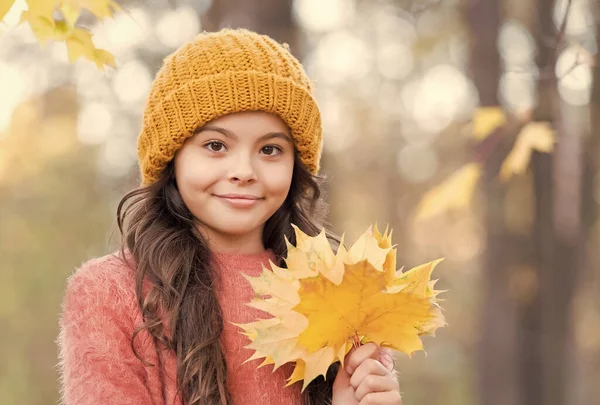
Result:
{"points": [[229, 134]]}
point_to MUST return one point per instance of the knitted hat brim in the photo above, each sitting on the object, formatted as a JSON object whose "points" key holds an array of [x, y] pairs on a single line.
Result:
{"points": [[198, 101]]}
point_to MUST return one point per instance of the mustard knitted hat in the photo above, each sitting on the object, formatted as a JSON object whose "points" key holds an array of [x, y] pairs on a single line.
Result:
{"points": [[220, 73]]}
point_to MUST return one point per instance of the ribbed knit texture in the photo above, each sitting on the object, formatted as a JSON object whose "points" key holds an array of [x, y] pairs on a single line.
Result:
{"points": [[220, 73], [100, 313]]}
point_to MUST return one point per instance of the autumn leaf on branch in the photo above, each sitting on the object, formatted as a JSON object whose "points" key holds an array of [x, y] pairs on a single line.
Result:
{"points": [[486, 120], [454, 193], [534, 136], [40, 17], [323, 303]]}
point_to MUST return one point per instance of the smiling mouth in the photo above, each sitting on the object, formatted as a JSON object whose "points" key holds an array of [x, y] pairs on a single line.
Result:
{"points": [[239, 201], [238, 196]]}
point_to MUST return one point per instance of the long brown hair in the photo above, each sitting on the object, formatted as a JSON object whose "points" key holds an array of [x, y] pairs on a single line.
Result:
{"points": [[173, 258]]}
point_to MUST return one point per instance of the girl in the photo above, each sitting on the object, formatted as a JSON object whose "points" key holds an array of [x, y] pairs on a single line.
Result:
{"points": [[229, 154]]}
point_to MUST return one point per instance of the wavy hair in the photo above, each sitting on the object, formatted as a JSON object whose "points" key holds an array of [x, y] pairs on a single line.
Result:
{"points": [[180, 307]]}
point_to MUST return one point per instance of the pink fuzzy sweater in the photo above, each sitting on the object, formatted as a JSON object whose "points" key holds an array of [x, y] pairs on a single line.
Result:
{"points": [[100, 313]]}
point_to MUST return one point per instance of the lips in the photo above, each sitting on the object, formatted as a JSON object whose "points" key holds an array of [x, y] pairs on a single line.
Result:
{"points": [[239, 200], [238, 196]]}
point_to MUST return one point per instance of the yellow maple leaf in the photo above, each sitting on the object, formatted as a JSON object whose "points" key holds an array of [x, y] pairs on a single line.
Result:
{"points": [[487, 119], [453, 193], [39, 16], [45, 28], [42, 8], [80, 44], [534, 136], [5, 6], [360, 306], [318, 314], [70, 13], [385, 242]]}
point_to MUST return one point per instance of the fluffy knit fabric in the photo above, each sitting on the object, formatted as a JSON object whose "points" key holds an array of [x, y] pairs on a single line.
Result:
{"points": [[100, 313], [219, 73]]}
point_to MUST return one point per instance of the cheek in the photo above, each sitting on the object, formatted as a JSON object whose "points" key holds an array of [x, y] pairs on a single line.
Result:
{"points": [[191, 172], [278, 181]]}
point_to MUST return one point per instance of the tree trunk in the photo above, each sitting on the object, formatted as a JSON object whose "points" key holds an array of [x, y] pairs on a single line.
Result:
{"points": [[588, 359], [557, 229], [497, 347], [270, 17]]}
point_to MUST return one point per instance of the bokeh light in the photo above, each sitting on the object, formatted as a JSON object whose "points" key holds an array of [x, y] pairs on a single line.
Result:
{"points": [[15, 88], [518, 91], [340, 56], [516, 45], [338, 131], [118, 157], [324, 15], [93, 123], [417, 162], [581, 19], [132, 83], [178, 26], [394, 60], [574, 76], [123, 33], [445, 94]]}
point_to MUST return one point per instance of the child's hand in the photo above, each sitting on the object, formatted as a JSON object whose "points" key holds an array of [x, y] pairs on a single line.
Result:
{"points": [[364, 380]]}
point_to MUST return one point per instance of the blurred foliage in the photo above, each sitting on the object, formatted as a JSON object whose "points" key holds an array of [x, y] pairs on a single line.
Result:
{"points": [[53, 215]]}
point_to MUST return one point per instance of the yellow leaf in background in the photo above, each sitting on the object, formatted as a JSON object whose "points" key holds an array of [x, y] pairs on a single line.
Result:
{"points": [[487, 119], [453, 193], [80, 44], [534, 136], [44, 28], [78, 40], [5, 6], [103, 58], [42, 8], [70, 13], [317, 318]]}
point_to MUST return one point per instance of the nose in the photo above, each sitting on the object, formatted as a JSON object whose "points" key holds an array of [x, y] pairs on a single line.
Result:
{"points": [[242, 169]]}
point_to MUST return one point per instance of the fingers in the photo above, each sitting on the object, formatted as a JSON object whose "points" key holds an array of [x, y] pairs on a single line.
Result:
{"points": [[356, 356], [367, 368], [382, 398], [373, 382], [376, 384]]}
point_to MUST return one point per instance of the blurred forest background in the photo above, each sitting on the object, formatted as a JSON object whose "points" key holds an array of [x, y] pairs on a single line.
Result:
{"points": [[422, 102]]}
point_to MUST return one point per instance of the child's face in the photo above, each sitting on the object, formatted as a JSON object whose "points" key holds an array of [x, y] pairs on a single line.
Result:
{"points": [[234, 174]]}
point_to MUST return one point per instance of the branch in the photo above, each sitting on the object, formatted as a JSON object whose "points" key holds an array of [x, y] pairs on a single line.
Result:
{"points": [[549, 73], [563, 26]]}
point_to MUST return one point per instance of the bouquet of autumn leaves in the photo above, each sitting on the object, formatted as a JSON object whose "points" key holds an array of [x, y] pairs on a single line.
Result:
{"points": [[324, 303]]}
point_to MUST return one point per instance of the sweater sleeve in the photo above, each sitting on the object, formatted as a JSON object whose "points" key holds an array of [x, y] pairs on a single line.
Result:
{"points": [[97, 364]]}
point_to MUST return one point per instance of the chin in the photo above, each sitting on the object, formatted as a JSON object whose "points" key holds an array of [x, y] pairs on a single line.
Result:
{"points": [[235, 227]]}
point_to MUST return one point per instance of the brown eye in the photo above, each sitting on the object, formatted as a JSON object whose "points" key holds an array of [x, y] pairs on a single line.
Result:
{"points": [[215, 146], [271, 150]]}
